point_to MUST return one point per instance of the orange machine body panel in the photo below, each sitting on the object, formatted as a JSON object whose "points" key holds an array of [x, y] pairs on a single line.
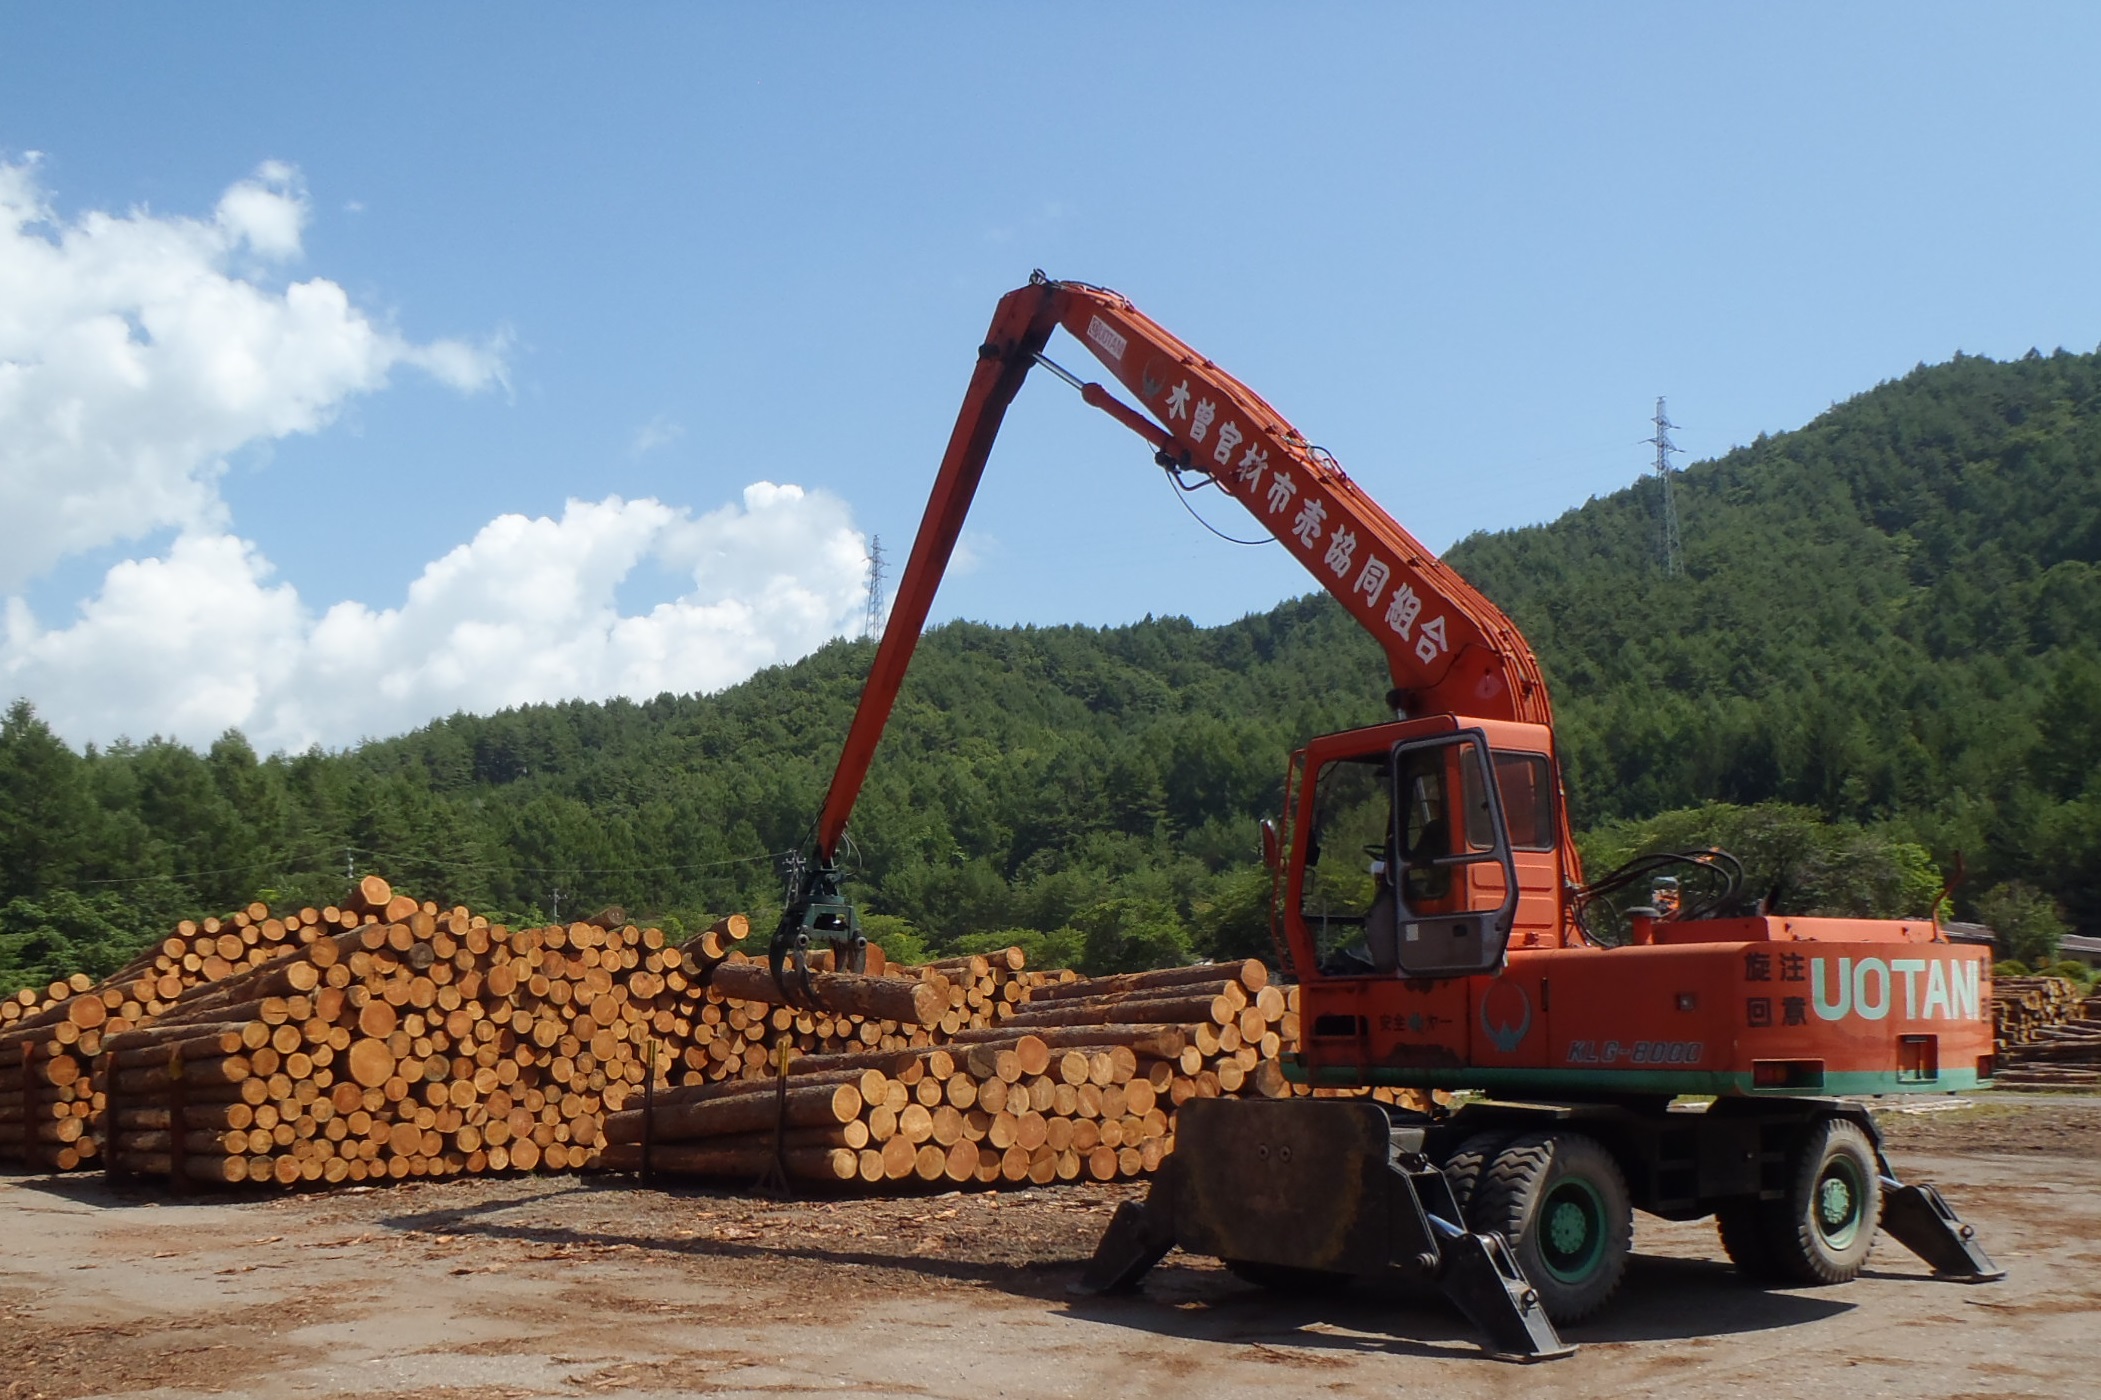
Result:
{"points": [[1738, 1006]]}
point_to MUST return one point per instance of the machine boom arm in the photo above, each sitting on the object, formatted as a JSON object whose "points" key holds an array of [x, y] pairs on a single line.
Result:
{"points": [[1449, 649]]}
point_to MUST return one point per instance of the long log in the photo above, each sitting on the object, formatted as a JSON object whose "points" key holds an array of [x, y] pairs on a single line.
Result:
{"points": [[1183, 1010], [197, 1043], [1158, 1041], [218, 1171], [1251, 974], [884, 998], [195, 1140], [226, 1069], [706, 1159], [810, 1107], [202, 1115], [854, 1135], [864, 1081]]}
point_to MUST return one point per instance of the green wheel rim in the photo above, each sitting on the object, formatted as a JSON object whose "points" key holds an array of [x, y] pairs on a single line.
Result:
{"points": [[1838, 1205], [1572, 1230]]}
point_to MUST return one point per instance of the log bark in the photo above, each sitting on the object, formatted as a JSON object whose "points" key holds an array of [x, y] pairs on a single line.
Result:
{"points": [[1250, 974], [884, 998], [1083, 1012], [1157, 1041], [815, 1106], [708, 1159]]}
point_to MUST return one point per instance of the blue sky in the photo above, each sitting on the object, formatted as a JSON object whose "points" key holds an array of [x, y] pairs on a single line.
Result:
{"points": [[700, 247]]}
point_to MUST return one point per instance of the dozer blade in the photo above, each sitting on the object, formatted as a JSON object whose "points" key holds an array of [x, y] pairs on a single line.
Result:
{"points": [[1138, 1237], [1316, 1185], [1920, 1218]]}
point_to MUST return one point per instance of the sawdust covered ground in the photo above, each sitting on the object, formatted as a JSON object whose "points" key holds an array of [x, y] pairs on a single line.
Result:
{"points": [[564, 1287]]}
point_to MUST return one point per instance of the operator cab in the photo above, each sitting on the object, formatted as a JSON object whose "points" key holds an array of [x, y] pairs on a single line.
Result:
{"points": [[1420, 849]]}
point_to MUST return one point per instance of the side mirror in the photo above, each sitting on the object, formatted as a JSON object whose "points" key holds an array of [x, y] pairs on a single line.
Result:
{"points": [[1272, 846]]}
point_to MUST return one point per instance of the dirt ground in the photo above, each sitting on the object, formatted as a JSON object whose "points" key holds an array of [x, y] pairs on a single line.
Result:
{"points": [[560, 1286]]}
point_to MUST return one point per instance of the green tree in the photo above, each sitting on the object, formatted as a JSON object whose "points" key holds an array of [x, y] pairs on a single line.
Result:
{"points": [[1795, 862], [46, 814], [1130, 935], [2026, 921]]}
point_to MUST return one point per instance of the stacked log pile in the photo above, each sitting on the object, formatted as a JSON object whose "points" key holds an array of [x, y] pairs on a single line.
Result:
{"points": [[32, 1001], [385, 1039], [51, 1045], [2025, 1008], [1070, 1079], [401, 1041], [2048, 1033]]}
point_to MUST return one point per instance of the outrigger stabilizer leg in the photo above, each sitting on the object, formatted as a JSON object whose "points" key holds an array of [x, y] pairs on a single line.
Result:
{"points": [[1920, 1218]]}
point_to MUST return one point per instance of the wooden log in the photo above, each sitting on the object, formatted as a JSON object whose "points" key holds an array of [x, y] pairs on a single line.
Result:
{"points": [[888, 1061], [706, 1159], [1251, 974], [627, 1156], [808, 1107], [204, 1115], [626, 1125], [884, 998], [1152, 1041], [1082, 1012], [193, 1043], [225, 1069], [201, 1142], [211, 1170]]}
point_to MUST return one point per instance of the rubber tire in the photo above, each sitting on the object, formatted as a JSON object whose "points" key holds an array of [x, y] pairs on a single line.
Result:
{"points": [[1565, 1171], [1742, 1226], [1463, 1168], [1288, 1278], [1803, 1250]]}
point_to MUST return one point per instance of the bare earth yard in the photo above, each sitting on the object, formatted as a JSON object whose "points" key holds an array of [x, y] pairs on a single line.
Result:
{"points": [[561, 1286]]}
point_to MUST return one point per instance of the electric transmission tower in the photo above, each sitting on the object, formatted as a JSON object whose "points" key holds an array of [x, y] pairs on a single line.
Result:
{"points": [[1667, 526], [872, 626]]}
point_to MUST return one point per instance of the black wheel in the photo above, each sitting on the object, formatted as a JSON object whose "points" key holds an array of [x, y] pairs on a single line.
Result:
{"points": [[1822, 1231], [1561, 1201], [1464, 1167], [1287, 1278], [1743, 1230]]}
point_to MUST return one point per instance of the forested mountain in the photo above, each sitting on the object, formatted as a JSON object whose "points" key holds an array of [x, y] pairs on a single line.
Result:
{"points": [[1889, 618], [1892, 616]]}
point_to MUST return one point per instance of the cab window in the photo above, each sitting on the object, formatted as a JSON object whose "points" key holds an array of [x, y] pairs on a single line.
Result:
{"points": [[1352, 808], [1525, 783], [1426, 827]]}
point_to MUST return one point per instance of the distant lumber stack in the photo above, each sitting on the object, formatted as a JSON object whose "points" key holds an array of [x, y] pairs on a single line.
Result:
{"points": [[2048, 1034]]}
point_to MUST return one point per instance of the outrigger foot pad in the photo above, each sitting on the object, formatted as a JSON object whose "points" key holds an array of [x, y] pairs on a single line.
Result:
{"points": [[1484, 1281], [1920, 1218]]}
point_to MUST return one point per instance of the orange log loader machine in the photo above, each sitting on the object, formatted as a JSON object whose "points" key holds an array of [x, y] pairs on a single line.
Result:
{"points": [[1429, 901]]}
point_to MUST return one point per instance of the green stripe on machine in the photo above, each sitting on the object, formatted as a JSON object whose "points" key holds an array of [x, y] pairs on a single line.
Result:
{"points": [[1722, 1083]]}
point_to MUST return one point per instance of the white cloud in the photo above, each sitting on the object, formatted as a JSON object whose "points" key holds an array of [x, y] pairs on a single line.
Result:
{"points": [[202, 640], [657, 432], [138, 351]]}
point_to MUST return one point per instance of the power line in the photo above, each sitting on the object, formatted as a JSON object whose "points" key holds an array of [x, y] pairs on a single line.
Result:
{"points": [[1667, 547], [285, 866]]}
